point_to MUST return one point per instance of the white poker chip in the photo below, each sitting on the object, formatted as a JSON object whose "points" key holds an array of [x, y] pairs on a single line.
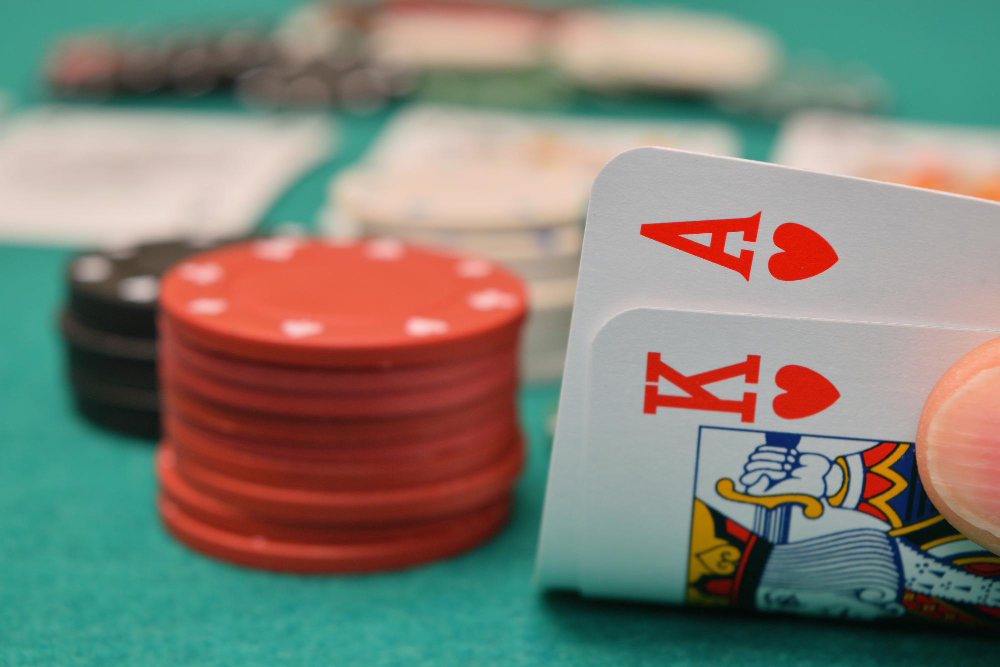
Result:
{"points": [[539, 254], [463, 197], [466, 38], [335, 223], [543, 266], [543, 367], [552, 294], [662, 50], [546, 329], [551, 309], [498, 245], [434, 134]]}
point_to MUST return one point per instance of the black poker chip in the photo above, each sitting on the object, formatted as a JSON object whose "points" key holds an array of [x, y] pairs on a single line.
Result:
{"points": [[318, 85], [105, 391], [116, 358], [127, 372], [115, 291], [141, 423], [104, 344], [192, 69], [240, 50], [131, 410], [109, 330], [143, 68]]}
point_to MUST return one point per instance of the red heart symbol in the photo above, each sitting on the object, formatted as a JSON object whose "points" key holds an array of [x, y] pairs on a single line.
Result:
{"points": [[806, 392], [804, 253]]}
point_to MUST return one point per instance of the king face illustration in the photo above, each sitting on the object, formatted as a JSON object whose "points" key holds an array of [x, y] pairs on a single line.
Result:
{"points": [[832, 527]]}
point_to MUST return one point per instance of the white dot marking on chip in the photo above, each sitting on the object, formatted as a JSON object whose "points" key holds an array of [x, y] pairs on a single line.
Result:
{"points": [[201, 273], [493, 299], [207, 306], [140, 289], [425, 326], [92, 269], [474, 268], [277, 249], [301, 328], [385, 250]]}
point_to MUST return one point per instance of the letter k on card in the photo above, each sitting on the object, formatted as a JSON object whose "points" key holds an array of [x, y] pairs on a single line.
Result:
{"points": [[805, 392], [802, 253], [657, 375]]}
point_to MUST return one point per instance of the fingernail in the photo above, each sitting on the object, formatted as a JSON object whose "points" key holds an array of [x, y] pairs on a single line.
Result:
{"points": [[963, 451]]}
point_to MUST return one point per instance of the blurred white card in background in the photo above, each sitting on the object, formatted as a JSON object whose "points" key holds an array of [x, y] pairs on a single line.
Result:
{"points": [[963, 160], [95, 176], [455, 139]]}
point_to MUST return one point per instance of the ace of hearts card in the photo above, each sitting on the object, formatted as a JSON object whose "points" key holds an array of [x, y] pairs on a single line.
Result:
{"points": [[750, 350]]}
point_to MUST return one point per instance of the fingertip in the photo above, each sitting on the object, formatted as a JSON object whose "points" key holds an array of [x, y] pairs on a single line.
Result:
{"points": [[958, 445]]}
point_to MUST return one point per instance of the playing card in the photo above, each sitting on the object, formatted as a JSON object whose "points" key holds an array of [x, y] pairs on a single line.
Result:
{"points": [[767, 462], [443, 133], [681, 230], [941, 157], [76, 175], [676, 230]]}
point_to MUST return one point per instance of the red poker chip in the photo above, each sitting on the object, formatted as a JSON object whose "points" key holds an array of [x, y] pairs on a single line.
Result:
{"points": [[298, 378], [349, 305], [207, 509], [311, 404], [481, 435], [413, 503], [350, 470], [334, 432], [256, 551]]}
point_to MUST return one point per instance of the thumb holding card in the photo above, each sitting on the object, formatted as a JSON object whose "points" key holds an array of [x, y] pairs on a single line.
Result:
{"points": [[958, 445]]}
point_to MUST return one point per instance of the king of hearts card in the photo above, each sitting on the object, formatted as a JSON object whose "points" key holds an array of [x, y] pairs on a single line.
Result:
{"points": [[750, 350]]}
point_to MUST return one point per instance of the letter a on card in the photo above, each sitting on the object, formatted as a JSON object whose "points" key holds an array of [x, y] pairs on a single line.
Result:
{"points": [[676, 234]]}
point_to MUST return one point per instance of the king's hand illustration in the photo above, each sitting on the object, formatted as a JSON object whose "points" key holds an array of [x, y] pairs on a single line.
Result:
{"points": [[771, 471]]}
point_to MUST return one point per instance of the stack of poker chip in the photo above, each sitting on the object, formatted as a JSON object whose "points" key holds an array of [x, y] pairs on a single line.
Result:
{"points": [[289, 68], [527, 218], [321, 61], [338, 407], [185, 62], [109, 330]]}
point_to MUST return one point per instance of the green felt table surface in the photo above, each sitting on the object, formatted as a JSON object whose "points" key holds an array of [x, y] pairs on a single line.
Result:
{"points": [[87, 574]]}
